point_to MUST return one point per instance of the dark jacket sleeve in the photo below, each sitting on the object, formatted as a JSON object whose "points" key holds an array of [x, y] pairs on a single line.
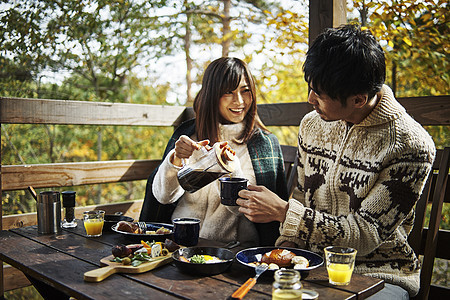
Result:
{"points": [[152, 210]]}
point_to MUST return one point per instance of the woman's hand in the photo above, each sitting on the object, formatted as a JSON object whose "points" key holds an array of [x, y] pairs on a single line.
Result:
{"points": [[226, 152], [260, 205], [184, 147]]}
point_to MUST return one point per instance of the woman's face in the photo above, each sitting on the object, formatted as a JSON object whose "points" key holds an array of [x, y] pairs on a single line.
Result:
{"points": [[234, 105]]}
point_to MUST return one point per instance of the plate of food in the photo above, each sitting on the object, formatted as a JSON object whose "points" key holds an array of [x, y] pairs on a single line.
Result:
{"points": [[280, 257], [152, 232]]}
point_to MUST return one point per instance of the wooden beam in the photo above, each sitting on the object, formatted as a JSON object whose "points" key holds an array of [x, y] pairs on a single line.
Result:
{"points": [[428, 110], [283, 114], [325, 14], [43, 111], [14, 279], [19, 177]]}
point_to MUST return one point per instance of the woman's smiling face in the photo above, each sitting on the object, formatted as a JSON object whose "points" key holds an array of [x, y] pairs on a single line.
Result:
{"points": [[234, 105]]}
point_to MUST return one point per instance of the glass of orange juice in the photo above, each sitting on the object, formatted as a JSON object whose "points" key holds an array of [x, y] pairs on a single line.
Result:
{"points": [[340, 262], [93, 222]]}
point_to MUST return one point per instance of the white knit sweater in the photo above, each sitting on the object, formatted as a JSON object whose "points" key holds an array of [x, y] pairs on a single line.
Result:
{"points": [[358, 187], [218, 222]]}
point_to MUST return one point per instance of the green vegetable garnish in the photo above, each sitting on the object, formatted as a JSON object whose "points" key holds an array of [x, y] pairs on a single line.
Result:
{"points": [[198, 259]]}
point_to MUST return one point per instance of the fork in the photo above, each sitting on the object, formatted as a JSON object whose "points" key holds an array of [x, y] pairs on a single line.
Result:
{"points": [[142, 226], [232, 244], [243, 290]]}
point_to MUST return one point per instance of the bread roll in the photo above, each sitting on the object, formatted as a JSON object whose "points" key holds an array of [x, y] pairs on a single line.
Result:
{"points": [[281, 257], [128, 227]]}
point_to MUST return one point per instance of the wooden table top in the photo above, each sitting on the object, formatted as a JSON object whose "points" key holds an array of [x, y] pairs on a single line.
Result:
{"points": [[60, 260]]}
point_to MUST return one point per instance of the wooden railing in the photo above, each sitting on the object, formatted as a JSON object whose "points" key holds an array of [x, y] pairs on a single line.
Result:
{"points": [[426, 110]]}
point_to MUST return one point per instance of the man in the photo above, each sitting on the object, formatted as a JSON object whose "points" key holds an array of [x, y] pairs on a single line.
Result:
{"points": [[362, 165]]}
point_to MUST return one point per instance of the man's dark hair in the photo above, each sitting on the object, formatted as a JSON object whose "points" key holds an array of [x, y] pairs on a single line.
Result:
{"points": [[345, 61]]}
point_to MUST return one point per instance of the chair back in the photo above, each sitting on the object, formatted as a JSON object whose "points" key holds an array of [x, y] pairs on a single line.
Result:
{"points": [[427, 239]]}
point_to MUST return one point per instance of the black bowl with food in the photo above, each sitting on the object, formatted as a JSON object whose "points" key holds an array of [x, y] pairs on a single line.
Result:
{"points": [[111, 220], [203, 261]]}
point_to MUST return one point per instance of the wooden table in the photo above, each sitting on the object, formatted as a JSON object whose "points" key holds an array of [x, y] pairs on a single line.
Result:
{"points": [[60, 260]]}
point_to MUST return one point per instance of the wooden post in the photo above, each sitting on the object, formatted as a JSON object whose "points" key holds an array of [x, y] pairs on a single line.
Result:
{"points": [[325, 14]]}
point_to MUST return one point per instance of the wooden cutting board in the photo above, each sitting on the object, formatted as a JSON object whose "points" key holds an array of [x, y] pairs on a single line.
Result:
{"points": [[114, 267]]}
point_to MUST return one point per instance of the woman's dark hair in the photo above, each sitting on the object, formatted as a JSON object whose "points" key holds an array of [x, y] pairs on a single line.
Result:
{"points": [[222, 76], [345, 61]]}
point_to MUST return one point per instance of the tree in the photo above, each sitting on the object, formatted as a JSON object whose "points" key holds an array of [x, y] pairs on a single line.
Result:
{"points": [[210, 23], [415, 35], [101, 41]]}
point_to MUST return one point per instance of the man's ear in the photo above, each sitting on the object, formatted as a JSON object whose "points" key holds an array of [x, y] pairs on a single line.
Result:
{"points": [[360, 100]]}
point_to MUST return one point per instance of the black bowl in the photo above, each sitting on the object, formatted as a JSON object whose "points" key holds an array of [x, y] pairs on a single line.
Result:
{"points": [[250, 255], [111, 220], [203, 269], [151, 226]]}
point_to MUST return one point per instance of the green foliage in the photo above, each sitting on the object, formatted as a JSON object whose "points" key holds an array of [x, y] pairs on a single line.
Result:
{"points": [[29, 293], [283, 45], [415, 35]]}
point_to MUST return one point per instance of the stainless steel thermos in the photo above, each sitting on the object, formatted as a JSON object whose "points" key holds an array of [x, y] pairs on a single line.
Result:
{"points": [[49, 212]]}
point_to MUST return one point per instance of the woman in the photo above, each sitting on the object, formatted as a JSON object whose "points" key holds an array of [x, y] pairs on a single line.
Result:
{"points": [[225, 110]]}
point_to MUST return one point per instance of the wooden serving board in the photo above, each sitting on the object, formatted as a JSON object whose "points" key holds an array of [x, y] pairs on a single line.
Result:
{"points": [[112, 267]]}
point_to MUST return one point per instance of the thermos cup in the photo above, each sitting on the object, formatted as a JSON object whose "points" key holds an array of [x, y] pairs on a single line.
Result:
{"points": [[49, 212]]}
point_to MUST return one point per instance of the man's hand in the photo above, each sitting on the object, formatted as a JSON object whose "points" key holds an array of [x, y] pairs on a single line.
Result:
{"points": [[261, 205], [184, 147], [288, 244]]}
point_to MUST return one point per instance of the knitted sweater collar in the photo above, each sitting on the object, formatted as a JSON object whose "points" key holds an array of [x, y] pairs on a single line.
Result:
{"points": [[231, 132], [387, 109]]}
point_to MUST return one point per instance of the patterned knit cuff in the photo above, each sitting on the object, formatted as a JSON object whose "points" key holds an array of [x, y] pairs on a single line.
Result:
{"points": [[293, 218]]}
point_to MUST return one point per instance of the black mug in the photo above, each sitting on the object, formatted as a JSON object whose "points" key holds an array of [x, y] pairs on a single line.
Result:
{"points": [[229, 189], [186, 231]]}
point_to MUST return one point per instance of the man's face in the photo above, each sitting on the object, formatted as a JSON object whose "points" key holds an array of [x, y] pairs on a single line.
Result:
{"points": [[329, 109]]}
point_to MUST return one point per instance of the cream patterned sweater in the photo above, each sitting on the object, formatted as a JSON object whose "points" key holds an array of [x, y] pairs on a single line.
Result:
{"points": [[357, 187], [218, 222]]}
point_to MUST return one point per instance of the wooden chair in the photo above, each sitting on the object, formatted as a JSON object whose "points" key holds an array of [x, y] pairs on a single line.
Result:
{"points": [[430, 241]]}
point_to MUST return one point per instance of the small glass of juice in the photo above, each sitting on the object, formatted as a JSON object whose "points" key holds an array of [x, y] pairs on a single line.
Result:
{"points": [[340, 262], [93, 222]]}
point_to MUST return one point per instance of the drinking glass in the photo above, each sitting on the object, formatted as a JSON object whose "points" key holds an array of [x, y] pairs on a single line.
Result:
{"points": [[340, 262], [93, 222]]}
